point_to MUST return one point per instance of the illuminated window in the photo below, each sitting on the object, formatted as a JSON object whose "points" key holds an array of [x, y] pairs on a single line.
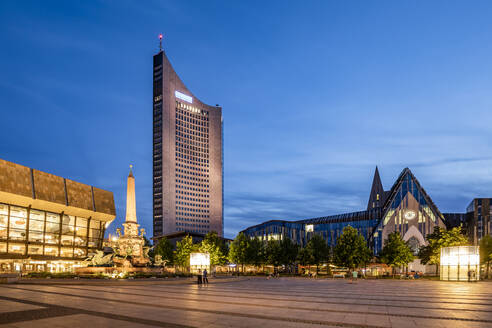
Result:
{"points": [[17, 248]]}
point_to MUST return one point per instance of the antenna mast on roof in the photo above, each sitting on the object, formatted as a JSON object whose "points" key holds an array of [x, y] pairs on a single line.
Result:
{"points": [[160, 42]]}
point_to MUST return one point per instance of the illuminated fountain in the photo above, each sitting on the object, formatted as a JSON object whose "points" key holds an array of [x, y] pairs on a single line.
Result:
{"points": [[129, 247], [130, 253]]}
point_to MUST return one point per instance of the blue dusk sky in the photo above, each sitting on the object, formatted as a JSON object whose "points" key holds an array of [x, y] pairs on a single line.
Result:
{"points": [[315, 94]]}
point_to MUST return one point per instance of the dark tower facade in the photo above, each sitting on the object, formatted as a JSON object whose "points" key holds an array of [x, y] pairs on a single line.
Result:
{"points": [[187, 157]]}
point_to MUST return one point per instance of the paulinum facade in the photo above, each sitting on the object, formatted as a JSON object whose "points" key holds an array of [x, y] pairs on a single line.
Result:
{"points": [[405, 208], [49, 223]]}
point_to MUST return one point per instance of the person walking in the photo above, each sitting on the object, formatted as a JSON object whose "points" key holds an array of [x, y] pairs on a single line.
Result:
{"points": [[205, 278], [354, 276], [199, 278]]}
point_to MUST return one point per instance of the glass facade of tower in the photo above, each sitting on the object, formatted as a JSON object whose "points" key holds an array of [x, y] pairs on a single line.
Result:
{"points": [[187, 157], [192, 169], [157, 146]]}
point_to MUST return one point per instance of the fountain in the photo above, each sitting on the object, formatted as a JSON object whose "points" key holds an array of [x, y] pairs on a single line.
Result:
{"points": [[129, 251]]}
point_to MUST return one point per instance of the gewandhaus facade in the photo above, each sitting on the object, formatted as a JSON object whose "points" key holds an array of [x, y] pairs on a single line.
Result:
{"points": [[405, 208], [48, 223]]}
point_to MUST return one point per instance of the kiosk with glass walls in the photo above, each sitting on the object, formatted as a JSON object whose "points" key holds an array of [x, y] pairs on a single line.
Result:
{"points": [[199, 262], [460, 263]]}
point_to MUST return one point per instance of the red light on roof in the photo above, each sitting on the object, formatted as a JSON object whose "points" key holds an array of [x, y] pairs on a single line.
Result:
{"points": [[160, 36]]}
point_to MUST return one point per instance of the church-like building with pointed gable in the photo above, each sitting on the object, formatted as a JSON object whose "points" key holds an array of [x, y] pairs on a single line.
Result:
{"points": [[405, 208]]}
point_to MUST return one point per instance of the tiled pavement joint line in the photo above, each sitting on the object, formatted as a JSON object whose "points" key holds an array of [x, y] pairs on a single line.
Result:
{"points": [[180, 308], [172, 296], [51, 311]]}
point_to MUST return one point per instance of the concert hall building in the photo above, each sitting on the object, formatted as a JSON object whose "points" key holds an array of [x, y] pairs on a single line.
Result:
{"points": [[48, 223], [405, 208], [187, 157]]}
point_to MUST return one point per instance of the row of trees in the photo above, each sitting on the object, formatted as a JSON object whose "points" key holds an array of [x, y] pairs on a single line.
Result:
{"points": [[180, 255], [351, 250]]}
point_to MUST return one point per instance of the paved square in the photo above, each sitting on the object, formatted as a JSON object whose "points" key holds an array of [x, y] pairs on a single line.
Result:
{"points": [[254, 302]]}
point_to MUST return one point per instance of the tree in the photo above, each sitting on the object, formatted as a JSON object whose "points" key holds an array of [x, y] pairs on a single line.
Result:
{"points": [[273, 253], [164, 248], [238, 253], [351, 250], [396, 252], [255, 253], [183, 250], [289, 251], [440, 237], [213, 245], [304, 256], [486, 253], [318, 250]]}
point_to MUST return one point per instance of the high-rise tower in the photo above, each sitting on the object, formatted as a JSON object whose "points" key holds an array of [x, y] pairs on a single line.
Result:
{"points": [[187, 157]]}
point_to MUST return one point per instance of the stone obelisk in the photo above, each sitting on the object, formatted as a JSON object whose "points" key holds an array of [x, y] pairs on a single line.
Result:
{"points": [[131, 225], [131, 243], [131, 207]]}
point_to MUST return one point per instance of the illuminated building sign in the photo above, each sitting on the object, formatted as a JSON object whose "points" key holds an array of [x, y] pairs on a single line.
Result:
{"points": [[182, 96], [200, 259]]}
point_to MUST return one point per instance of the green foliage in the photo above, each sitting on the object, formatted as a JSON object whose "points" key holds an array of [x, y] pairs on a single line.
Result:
{"points": [[216, 247], [351, 250], [289, 251], [164, 248], [431, 254], [183, 250], [255, 253], [238, 252], [319, 250], [396, 252], [273, 253], [304, 256], [486, 253]]}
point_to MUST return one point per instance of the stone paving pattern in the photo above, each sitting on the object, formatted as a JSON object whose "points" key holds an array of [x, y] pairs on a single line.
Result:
{"points": [[255, 302]]}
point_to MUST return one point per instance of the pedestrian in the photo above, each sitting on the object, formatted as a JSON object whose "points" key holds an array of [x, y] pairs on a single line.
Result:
{"points": [[205, 279], [354, 275], [199, 278]]}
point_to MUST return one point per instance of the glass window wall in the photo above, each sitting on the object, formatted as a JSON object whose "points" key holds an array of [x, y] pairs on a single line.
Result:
{"points": [[35, 250], [15, 248], [18, 222], [36, 226], [50, 229]]}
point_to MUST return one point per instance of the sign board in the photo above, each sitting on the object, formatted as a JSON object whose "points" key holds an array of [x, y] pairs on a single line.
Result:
{"points": [[184, 97], [201, 259]]}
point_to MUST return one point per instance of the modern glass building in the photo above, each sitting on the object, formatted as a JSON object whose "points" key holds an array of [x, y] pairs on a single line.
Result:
{"points": [[187, 157], [48, 223], [478, 219], [405, 208]]}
